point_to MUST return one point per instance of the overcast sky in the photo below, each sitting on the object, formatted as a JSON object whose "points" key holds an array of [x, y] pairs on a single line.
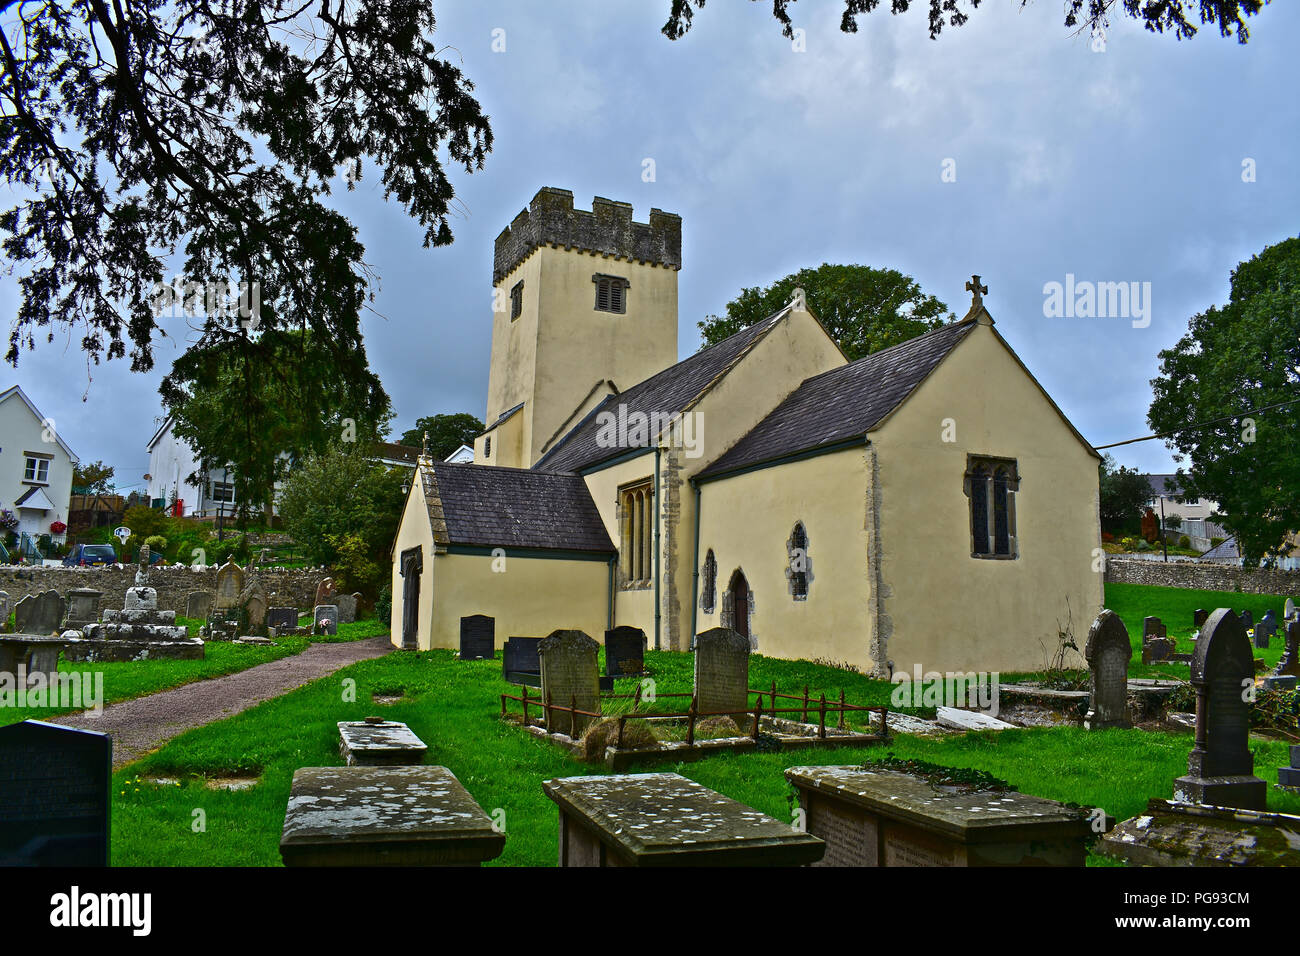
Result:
{"points": [[1121, 165]]}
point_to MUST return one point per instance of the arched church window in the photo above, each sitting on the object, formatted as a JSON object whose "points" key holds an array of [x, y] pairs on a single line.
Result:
{"points": [[991, 485], [798, 570], [709, 588], [636, 517]]}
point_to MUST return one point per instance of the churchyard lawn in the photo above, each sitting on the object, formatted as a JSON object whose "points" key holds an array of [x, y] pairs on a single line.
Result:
{"points": [[453, 707], [128, 680]]}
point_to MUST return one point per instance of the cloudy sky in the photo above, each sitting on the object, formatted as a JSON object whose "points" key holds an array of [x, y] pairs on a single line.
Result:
{"points": [[1123, 164]]}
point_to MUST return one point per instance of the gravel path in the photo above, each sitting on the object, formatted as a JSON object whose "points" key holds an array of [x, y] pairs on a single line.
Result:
{"points": [[146, 723]]}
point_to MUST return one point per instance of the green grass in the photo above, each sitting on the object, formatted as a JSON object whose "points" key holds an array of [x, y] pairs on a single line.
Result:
{"points": [[1174, 607], [127, 680], [454, 706]]}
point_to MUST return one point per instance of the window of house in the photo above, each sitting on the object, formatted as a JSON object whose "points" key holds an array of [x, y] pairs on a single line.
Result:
{"points": [[37, 470], [221, 491], [991, 485], [517, 300], [487, 447], [611, 293], [636, 521], [798, 570], [709, 588]]}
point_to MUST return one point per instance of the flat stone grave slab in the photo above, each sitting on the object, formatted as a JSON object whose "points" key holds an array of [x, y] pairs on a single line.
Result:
{"points": [[664, 819], [34, 653], [878, 817], [959, 719], [54, 795], [1179, 834], [375, 742], [384, 816]]}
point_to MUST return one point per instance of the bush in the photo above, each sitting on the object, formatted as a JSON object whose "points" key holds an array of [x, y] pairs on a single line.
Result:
{"points": [[354, 567], [156, 543], [1184, 541], [384, 603], [1143, 545]]}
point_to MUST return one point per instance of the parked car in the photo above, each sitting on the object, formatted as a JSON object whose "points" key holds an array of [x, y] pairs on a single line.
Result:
{"points": [[87, 555]]}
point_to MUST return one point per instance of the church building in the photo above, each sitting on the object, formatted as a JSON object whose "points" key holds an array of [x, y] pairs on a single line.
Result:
{"points": [[928, 506]]}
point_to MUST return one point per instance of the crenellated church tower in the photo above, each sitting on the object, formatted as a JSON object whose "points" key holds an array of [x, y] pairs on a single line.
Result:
{"points": [[584, 306]]}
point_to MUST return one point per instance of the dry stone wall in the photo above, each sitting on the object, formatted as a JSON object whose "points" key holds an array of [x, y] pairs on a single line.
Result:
{"points": [[1205, 577]]}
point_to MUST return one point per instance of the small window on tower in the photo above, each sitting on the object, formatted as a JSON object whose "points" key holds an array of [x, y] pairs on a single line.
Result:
{"points": [[611, 293], [517, 300], [487, 447]]}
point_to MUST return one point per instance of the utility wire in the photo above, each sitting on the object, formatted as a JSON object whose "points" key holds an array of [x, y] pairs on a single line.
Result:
{"points": [[1216, 421]]}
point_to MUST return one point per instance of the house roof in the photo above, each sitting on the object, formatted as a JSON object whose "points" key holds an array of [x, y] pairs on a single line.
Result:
{"points": [[668, 393], [491, 506], [1225, 551], [1164, 486], [15, 390], [843, 403], [392, 451], [35, 498], [166, 424]]}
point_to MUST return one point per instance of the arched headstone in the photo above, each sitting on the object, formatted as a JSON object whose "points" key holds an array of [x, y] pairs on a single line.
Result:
{"points": [[1220, 768], [1108, 652], [722, 671], [570, 678]]}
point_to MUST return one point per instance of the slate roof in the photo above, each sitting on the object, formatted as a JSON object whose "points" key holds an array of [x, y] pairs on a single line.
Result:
{"points": [[667, 393], [843, 403], [1164, 486], [511, 507], [1225, 551]]}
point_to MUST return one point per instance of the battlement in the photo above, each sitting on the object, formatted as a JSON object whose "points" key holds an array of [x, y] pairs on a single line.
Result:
{"points": [[607, 229]]}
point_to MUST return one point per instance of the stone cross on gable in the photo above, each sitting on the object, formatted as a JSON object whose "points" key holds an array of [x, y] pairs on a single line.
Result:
{"points": [[978, 291], [424, 451], [798, 301]]}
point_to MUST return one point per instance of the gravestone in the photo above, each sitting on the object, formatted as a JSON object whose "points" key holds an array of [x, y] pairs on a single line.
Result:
{"points": [[570, 678], [4, 611], [230, 585], [255, 608], [39, 613], [198, 604], [1108, 653], [347, 605], [1200, 616], [282, 618], [664, 819], [1288, 610], [1220, 768], [83, 608], [54, 791], [1247, 620], [1289, 665], [1265, 629], [1290, 776], [1152, 627], [624, 651], [1157, 649], [520, 661], [325, 619], [375, 742], [721, 671], [478, 637], [325, 592]]}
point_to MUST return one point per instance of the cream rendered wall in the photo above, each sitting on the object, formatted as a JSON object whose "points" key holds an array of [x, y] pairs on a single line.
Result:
{"points": [[941, 608], [413, 531], [634, 608], [507, 443], [560, 346], [21, 430], [530, 598], [748, 518]]}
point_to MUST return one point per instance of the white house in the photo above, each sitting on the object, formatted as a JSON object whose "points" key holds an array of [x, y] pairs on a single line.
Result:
{"points": [[36, 466], [171, 462]]}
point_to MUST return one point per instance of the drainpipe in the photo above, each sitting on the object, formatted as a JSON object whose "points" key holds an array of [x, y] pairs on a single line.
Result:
{"points": [[695, 577], [658, 512], [610, 616]]}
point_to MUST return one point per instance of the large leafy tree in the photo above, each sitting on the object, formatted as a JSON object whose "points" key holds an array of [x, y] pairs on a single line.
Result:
{"points": [[1179, 17], [92, 478], [261, 426], [446, 433], [143, 133], [863, 308], [1235, 359], [1124, 493]]}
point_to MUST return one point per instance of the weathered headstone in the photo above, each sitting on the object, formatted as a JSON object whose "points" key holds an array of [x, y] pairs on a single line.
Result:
{"points": [[1247, 620], [230, 585], [721, 671], [347, 605], [4, 611], [624, 651], [325, 619], [83, 608], [1157, 649], [570, 679], [54, 795], [1108, 653], [1200, 616], [325, 592], [1290, 776], [1288, 668], [198, 604], [1153, 627], [254, 603], [282, 618], [1265, 629], [1289, 610], [478, 636], [39, 613], [1220, 768]]}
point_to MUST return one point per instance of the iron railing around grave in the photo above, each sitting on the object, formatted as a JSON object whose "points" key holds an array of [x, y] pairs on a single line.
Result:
{"points": [[821, 706]]}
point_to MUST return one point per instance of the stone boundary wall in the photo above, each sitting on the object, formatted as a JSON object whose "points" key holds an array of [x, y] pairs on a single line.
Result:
{"points": [[1204, 577], [294, 587]]}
